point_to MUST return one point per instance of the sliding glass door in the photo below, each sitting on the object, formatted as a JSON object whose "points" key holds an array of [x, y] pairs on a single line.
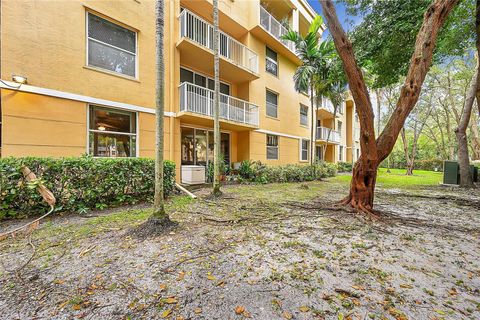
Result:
{"points": [[197, 146]]}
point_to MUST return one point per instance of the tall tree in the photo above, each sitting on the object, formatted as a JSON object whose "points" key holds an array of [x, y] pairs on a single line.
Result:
{"points": [[216, 102], [159, 216], [307, 49], [466, 178], [374, 151]]}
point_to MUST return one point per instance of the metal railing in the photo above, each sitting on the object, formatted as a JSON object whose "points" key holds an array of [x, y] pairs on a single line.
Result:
{"points": [[199, 100], [275, 28], [322, 134], [195, 28]]}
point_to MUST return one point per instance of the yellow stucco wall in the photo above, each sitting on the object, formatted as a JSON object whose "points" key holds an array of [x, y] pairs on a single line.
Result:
{"points": [[46, 42]]}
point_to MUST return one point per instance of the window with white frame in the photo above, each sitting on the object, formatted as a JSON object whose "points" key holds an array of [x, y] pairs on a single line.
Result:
{"points": [[340, 153], [272, 147], [272, 104], [271, 61], [305, 150], [303, 115], [340, 108], [110, 46], [339, 126], [112, 133]]}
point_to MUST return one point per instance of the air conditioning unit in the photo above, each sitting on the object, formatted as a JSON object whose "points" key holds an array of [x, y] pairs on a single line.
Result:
{"points": [[193, 174]]}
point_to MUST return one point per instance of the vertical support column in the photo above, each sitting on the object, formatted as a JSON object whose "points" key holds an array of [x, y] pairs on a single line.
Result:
{"points": [[295, 20]]}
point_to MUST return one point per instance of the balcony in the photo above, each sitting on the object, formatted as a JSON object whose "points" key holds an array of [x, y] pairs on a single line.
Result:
{"points": [[237, 62], [323, 135], [270, 30], [326, 109], [198, 100]]}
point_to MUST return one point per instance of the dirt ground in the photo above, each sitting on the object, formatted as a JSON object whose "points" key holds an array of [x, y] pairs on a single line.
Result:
{"points": [[276, 251]]}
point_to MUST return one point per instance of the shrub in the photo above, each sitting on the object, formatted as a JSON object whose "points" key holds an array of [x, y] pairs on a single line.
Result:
{"points": [[258, 172], [344, 166], [79, 184]]}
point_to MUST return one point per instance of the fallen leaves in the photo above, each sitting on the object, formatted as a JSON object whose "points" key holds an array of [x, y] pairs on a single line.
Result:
{"points": [[304, 308], [239, 309]]}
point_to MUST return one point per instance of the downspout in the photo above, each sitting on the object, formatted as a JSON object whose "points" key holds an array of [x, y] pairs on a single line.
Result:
{"points": [[172, 89]]}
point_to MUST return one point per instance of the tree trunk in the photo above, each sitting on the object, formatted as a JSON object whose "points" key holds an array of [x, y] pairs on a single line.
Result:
{"points": [[374, 151], [216, 103], [475, 137], [159, 207], [379, 110], [362, 187], [312, 127], [408, 162], [466, 179]]}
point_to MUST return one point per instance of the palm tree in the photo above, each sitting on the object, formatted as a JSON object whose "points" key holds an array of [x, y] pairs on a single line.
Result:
{"points": [[216, 102], [159, 216], [307, 49]]}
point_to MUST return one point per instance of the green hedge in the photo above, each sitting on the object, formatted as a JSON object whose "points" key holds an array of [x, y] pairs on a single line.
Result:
{"points": [[344, 166], [258, 172], [79, 184]]}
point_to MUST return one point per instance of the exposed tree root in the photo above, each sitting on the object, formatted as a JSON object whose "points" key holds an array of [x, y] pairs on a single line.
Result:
{"points": [[359, 207], [153, 227]]}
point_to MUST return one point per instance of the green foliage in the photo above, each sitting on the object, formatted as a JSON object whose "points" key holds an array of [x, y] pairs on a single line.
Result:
{"points": [[344, 166], [258, 172], [223, 168], [395, 25], [79, 184], [427, 165]]}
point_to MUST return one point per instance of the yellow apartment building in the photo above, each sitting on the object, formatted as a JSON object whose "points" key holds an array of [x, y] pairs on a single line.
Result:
{"points": [[90, 82]]}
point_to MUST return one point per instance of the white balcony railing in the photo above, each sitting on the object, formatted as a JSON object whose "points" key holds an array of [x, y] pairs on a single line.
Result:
{"points": [[274, 27], [199, 100], [195, 28], [322, 134]]}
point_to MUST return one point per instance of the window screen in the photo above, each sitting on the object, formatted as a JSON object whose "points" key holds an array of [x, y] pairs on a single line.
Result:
{"points": [[272, 104], [305, 150], [271, 62], [272, 147], [303, 115], [111, 46]]}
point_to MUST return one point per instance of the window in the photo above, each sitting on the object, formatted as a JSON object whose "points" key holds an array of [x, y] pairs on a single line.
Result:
{"points": [[339, 126], [305, 150], [111, 47], [303, 115], [358, 153], [340, 108], [112, 133], [340, 153], [202, 81], [271, 62], [272, 147], [272, 104]]}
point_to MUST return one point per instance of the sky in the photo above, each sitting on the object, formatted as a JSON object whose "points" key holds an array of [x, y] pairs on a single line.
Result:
{"points": [[347, 21]]}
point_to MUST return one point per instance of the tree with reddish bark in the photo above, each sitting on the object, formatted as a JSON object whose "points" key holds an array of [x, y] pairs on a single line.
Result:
{"points": [[374, 151]]}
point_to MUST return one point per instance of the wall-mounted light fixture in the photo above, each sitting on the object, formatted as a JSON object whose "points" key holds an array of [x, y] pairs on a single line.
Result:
{"points": [[19, 79]]}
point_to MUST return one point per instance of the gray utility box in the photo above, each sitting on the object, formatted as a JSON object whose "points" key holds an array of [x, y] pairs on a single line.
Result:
{"points": [[193, 174], [451, 172]]}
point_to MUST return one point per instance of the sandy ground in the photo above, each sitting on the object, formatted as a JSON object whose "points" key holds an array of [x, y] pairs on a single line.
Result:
{"points": [[261, 252]]}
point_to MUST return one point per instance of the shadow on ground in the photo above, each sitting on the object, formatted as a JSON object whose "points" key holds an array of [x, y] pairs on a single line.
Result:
{"points": [[274, 251]]}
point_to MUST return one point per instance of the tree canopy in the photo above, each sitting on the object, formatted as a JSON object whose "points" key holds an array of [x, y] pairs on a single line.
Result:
{"points": [[385, 39]]}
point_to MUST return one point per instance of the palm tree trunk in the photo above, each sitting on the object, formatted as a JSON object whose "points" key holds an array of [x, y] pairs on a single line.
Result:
{"points": [[159, 207], [216, 102], [312, 127]]}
